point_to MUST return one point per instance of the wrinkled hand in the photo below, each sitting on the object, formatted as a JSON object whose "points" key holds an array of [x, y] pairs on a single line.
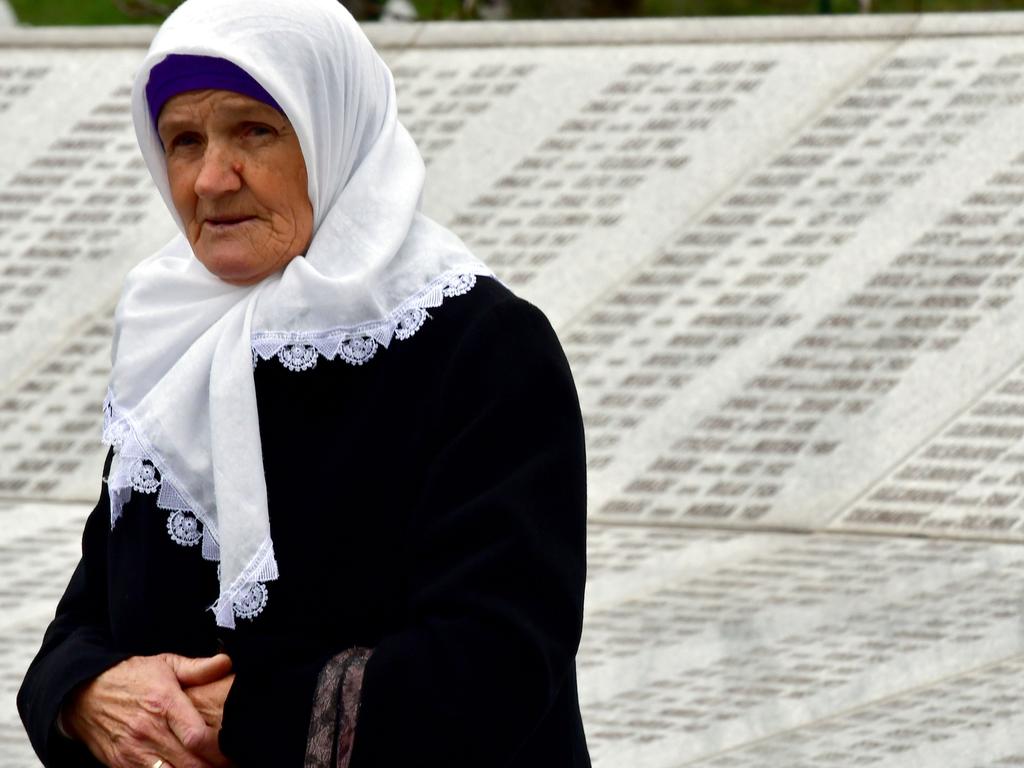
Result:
{"points": [[209, 699], [137, 712]]}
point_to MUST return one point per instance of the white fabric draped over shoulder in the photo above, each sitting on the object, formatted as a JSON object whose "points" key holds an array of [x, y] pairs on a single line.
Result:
{"points": [[182, 392]]}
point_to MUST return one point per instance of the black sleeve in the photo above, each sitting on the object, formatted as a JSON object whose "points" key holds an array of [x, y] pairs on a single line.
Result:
{"points": [[76, 647], [498, 559]]}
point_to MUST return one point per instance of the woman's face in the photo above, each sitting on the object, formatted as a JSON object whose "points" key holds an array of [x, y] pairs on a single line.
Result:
{"points": [[238, 181]]}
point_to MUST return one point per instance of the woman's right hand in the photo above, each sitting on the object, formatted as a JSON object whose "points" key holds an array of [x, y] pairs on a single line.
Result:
{"points": [[136, 713]]}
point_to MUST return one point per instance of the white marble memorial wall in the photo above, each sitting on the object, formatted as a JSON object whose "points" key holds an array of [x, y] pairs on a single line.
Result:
{"points": [[783, 257]]}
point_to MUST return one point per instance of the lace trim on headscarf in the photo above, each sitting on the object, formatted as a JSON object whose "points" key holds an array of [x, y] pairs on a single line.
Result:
{"points": [[357, 345], [136, 466]]}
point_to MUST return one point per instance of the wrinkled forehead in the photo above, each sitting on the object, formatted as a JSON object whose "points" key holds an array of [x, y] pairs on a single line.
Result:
{"points": [[213, 107]]}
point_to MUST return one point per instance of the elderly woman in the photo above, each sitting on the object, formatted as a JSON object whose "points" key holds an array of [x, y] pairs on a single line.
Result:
{"points": [[343, 516]]}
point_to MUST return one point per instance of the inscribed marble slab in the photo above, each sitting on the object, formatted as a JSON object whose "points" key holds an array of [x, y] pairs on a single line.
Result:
{"points": [[785, 267], [39, 547], [772, 649]]}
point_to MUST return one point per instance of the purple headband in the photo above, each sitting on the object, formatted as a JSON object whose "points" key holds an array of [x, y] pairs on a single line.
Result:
{"points": [[180, 72]]}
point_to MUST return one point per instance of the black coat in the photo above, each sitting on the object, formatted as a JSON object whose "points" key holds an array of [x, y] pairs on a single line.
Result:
{"points": [[429, 504]]}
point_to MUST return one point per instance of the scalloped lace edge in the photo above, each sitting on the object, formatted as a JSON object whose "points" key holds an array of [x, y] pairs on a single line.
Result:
{"points": [[135, 464], [134, 468], [358, 344]]}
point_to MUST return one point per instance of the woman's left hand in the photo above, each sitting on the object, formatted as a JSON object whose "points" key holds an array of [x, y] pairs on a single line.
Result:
{"points": [[209, 699]]}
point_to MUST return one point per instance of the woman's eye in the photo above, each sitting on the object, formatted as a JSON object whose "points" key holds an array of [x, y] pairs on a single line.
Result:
{"points": [[259, 130], [184, 140]]}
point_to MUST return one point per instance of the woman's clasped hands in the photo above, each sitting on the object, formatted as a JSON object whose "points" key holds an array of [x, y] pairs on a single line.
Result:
{"points": [[149, 709]]}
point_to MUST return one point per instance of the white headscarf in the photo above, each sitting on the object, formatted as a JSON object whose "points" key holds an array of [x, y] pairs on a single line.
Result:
{"points": [[182, 397]]}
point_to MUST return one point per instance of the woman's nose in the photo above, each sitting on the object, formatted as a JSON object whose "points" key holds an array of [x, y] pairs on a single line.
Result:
{"points": [[220, 172]]}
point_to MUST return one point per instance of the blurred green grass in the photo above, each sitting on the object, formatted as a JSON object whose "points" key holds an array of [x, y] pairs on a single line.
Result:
{"points": [[60, 12], [668, 8]]}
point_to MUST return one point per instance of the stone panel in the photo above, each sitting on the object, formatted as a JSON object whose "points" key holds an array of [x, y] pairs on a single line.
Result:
{"points": [[783, 257]]}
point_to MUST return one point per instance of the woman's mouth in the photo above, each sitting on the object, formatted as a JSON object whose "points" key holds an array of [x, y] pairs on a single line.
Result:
{"points": [[226, 222]]}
